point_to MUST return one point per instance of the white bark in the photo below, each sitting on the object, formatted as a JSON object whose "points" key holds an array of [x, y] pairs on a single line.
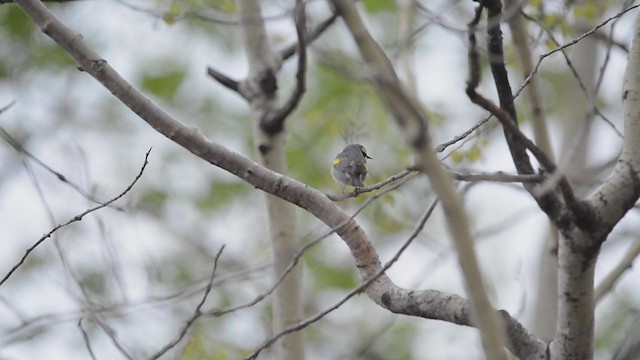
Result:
{"points": [[579, 248], [271, 152]]}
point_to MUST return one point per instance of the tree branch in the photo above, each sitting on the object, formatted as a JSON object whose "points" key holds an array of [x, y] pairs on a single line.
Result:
{"points": [[621, 191], [74, 219], [273, 121], [314, 34], [225, 81], [625, 264], [197, 313], [517, 141]]}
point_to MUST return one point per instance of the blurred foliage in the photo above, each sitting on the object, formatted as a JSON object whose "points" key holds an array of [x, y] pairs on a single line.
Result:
{"points": [[16, 23], [222, 193], [327, 275], [152, 201], [165, 83]]}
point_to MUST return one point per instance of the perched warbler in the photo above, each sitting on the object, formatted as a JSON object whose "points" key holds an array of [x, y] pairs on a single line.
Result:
{"points": [[350, 165]]}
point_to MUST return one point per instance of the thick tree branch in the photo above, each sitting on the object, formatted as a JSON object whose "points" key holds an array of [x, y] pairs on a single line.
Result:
{"points": [[621, 191]]}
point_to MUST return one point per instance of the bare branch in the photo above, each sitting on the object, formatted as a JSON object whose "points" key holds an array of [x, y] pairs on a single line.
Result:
{"points": [[197, 312], [225, 81], [464, 135], [113, 336], [75, 219], [292, 49], [527, 80], [588, 93], [85, 337], [517, 141], [21, 149], [610, 281], [352, 293], [273, 121], [498, 176]]}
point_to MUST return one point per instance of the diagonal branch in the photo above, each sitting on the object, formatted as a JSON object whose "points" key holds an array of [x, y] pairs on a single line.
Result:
{"points": [[610, 280], [225, 81], [518, 143], [273, 121], [74, 219], [314, 34], [197, 313]]}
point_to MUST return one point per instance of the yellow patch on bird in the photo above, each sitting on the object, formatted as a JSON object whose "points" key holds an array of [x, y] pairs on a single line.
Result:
{"points": [[336, 161]]}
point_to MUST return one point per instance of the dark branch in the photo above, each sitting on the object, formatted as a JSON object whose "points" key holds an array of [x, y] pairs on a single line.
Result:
{"points": [[225, 81], [273, 121], [291, 50], [518, 143], [196, 314]]}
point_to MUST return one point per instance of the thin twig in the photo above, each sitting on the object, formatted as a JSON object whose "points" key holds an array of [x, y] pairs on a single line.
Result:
{"points": [[197, 312], [113, 336], [75, 219], [609, 282], [569, 44], [587, 93], [291, 50], [440, 148], [497, 176], [359, 289], [87, 342], [22, 150], [381, 184]]}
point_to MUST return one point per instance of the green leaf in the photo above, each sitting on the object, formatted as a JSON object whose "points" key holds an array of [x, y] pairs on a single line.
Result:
{"points": [[375, 6], [164, 85]]}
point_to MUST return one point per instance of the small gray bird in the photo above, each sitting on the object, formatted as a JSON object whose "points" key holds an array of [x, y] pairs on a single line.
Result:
{"points": [[350, 165]]}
